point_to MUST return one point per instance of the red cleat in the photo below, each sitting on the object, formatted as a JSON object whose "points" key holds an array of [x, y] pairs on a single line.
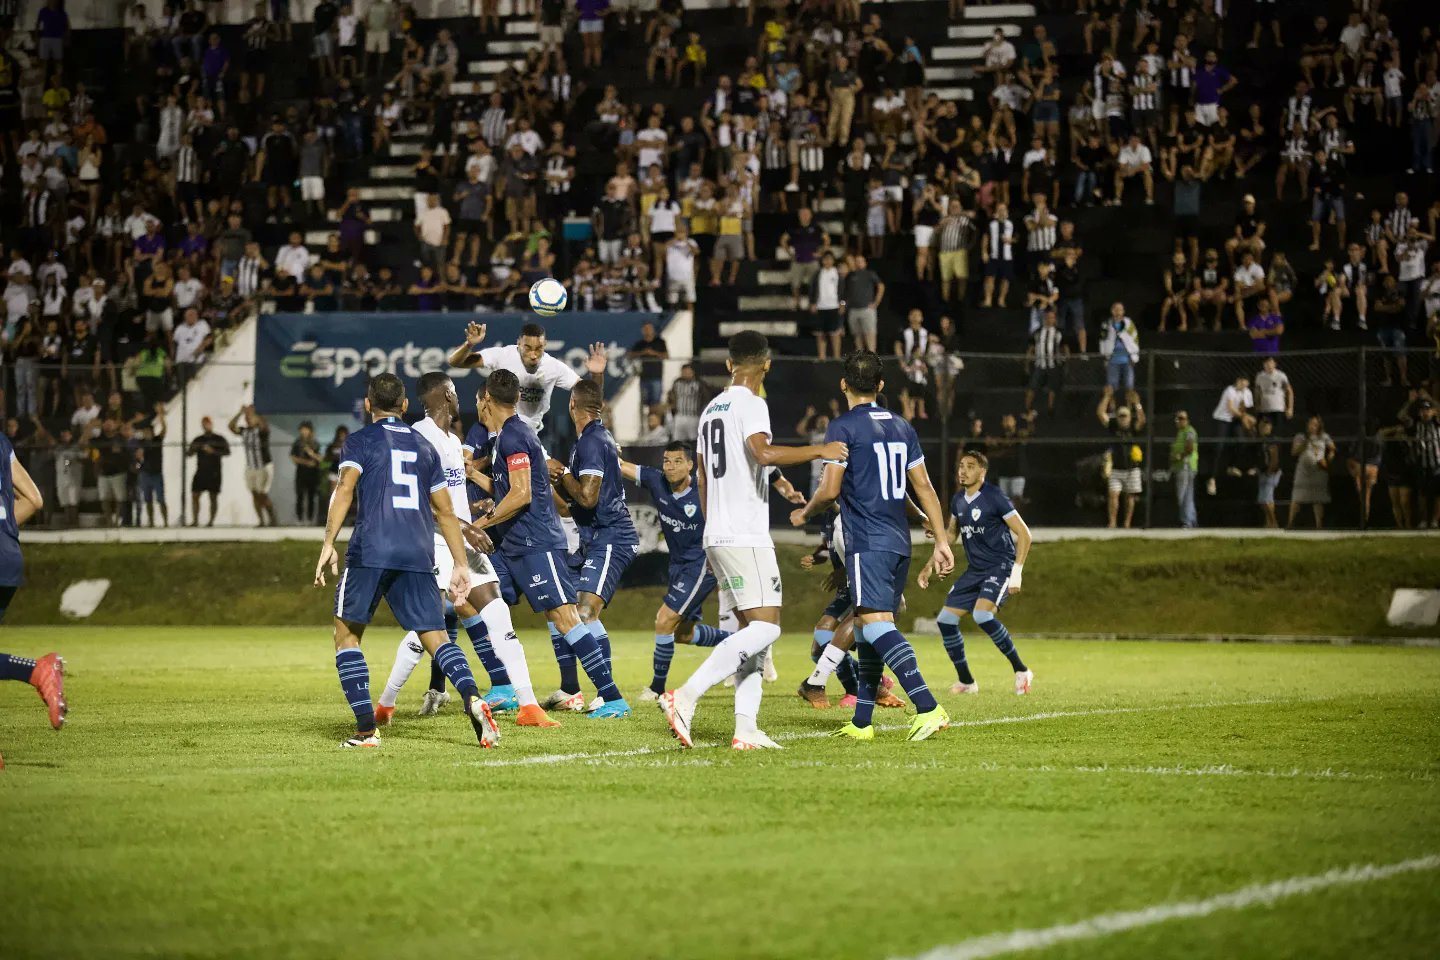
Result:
{"points": [[48, 678], [383, 715]]}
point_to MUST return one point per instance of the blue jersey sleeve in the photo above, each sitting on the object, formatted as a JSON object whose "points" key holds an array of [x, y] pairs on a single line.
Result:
{"points": [[916, 456], [477, 438], [837, 431], [429, 469], [512, 451], [1001, 503], [652, 481], [589, 458], [352, 453]]}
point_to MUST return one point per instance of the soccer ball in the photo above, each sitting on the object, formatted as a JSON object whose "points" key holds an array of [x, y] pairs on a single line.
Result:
{"points": [[548, 297]]}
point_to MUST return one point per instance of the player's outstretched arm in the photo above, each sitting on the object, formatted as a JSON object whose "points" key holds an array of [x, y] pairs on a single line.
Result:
{"points": [[825, 495], [28, 500], [1021, 532], [596, 363], [768, 454], [630, 471], [449, 527], [334, 519], [464, 356], [942, 560]]}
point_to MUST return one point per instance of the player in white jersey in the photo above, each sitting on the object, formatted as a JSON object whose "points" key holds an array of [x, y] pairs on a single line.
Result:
{"points": [[482, 612], [539, 373], [735, 455]]}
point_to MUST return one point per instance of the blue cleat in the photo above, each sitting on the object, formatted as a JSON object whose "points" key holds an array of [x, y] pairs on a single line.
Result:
{"points": [[502, 698], [610, 711]]}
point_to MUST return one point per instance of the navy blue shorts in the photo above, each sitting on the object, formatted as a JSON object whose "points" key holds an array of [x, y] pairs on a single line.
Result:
{"points": [[839, 606], [411, 595], [974, 585], [690, 586], [877, 579], [541, 577], [6, 595], [1000, 269], [507, 587], [605, 564]]}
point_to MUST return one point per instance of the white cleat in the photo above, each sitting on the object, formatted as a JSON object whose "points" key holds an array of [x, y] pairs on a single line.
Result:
{"points": [[560, 700], [649, 696], [595, 704], [678, 713], [484, 723], [959, 687], [1023, 679], [771, 674], [371, 740], [754, 740], [433, 701]]}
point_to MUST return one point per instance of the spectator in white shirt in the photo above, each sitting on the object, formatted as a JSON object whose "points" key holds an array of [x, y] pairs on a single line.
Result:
{"points": [[192, 341], [188, 290], [85, 412], [527, 138], [1134, 160], [825, 307], [293, 259], [681, 262], [433, 229], [1276, 396], [1249, 280], [1232, 419], [998, 54]]}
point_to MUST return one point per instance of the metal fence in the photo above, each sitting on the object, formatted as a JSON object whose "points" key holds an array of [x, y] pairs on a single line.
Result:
{"points": [[1059, 463]]}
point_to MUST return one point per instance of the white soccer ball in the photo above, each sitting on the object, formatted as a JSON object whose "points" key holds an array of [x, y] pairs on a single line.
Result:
{"points": [[548, 297]]}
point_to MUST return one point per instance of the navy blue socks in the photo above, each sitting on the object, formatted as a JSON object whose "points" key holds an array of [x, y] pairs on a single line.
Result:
{"points": [[355, 683]]}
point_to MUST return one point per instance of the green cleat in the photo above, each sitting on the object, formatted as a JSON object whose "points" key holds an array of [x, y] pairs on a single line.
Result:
{"points": [[926, 725], [856, 733]]}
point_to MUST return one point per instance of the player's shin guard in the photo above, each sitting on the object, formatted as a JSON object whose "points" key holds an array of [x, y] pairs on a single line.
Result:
{"points": [[707, 636], [602, 639], [871, 669], [508, 651], [985, 619], [899, 656], [479, 632], [452, 660], [592, 659], [954, 644], [664, 653], [355, 683], [407, 658], [565, 658]]}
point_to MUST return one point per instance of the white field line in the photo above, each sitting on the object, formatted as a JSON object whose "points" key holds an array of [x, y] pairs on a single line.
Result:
{"points": [[549, 759], [1105, 924]]}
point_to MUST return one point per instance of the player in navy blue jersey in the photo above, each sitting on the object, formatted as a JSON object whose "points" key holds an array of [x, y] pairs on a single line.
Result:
{"points": [[996, 544], [593, 487], [527, 534], [383, 469], [871, 487], [19, 501], [871, 490]]}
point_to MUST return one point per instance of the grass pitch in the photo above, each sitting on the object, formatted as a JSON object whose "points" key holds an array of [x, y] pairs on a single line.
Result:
{"points": [[198, 805]]}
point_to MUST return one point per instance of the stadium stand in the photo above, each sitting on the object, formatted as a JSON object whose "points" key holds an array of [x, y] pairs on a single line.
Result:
{"points": [[208, 157]]}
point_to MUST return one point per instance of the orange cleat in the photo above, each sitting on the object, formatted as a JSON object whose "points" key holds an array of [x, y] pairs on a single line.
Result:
{"points": [[813, 695], [533, 716], [889, 700], [48, 678], [383, 715]]}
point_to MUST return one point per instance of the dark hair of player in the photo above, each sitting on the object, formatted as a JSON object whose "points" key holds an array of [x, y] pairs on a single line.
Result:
{"points": [[862, 373], [588, 396], [680, 447], [981, 461], [386, 393], [749, 348], [431, 381], [532, 330], [503, 387]]}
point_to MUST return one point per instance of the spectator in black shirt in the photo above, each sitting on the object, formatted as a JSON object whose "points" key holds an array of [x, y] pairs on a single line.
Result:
{"points": [[650, 350], [278, 165], [1249, 231], [1327, 188], [1070, 306], [323, 44], [80, 367], [208, 449], [112, 466], [150, 455], [305, 454], [189, 33]]}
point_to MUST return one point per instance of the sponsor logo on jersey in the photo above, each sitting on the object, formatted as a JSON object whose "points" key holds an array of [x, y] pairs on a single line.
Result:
{"points": [[735, 583]]}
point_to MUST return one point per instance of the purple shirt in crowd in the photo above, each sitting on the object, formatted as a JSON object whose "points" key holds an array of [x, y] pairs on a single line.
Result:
{"points": [[1270, 343], [1208, 81], [150, 245], [592, 9], [194, 245], [52, 24], [214, 61], [805, 241]]}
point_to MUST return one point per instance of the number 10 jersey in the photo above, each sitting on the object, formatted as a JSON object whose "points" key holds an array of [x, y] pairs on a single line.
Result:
{"points": [[737, 511], [883, 449]]}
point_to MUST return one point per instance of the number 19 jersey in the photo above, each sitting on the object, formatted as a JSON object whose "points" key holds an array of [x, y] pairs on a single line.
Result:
{"points": [[737, 510], [399, 470]]}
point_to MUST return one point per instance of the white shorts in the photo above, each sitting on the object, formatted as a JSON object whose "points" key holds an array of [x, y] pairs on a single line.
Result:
{"points": [[680, 290], [1125, 481], [312, 188], [748, 577], [377, 41], [258, 479], [1207, 114], [923, 234], [481, 570]]}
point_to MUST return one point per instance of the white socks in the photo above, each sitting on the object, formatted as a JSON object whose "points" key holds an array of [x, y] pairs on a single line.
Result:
{"points": [[407, 658], [507, 648], [827, 664], [729, 656], [749, 685]]}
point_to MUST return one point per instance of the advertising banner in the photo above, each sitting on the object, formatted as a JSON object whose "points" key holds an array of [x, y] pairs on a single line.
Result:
{"points": [[320, 362]]}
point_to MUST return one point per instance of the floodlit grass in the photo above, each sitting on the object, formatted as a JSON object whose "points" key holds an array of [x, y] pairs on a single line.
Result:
{"points": [[198, 805]]}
